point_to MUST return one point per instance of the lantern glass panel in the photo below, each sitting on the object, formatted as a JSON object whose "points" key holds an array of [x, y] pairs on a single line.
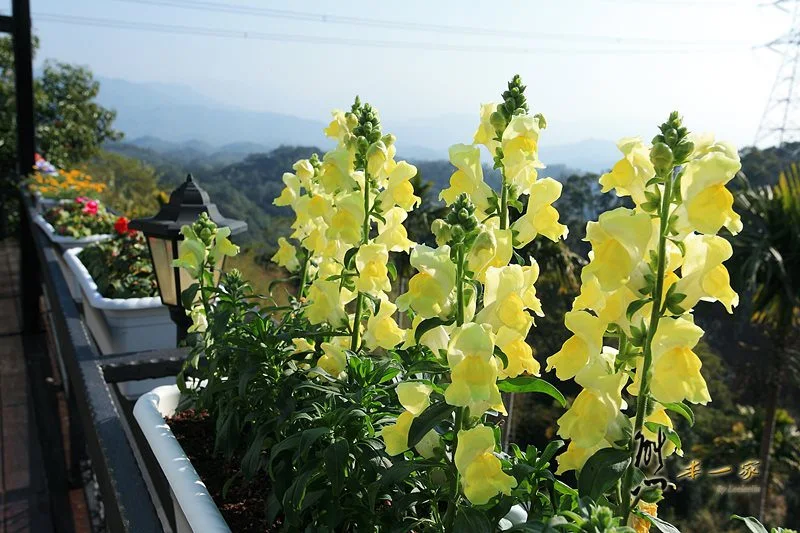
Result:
{"points": [[161, 250]]}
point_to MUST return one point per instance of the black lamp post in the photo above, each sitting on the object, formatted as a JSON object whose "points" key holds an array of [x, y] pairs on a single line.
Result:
{"points": [[163, 232]]}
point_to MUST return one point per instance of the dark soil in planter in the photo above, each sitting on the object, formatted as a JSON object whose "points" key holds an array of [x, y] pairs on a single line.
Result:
{"points": [[244, 504]]}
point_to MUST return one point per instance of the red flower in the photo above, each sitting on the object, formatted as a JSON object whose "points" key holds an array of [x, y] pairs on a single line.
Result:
{"points": [[81, 199], [121, 226], [90, 207]]}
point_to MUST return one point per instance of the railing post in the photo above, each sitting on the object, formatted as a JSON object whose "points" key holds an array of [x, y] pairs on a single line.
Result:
{"points": [[23, 76], [29, 275]]}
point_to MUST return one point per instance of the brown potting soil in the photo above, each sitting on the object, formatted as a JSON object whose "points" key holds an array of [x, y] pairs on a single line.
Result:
{"points": [[243, 506]]}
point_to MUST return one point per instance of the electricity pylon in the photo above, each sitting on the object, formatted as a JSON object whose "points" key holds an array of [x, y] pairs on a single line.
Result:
{"points": [[780, 123]]}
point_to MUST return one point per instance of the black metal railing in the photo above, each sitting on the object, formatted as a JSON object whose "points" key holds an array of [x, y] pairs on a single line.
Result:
{"points": [[133, 493]]}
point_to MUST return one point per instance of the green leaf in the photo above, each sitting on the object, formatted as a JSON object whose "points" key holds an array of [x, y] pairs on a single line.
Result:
{"points": [[336, 458], [189, 294], [669, 432], [502, 356], [550, 450], [635, 306], [392, 270], [429, 419], [348, 257], [752, 523], [428, 324], [472, 520], [532, 384], [602, 471], [662, 525], [682, 409]]}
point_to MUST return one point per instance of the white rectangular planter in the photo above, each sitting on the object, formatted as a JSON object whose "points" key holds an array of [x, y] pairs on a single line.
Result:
{"points": [[66, 243], [195, 510], [122, 325]]}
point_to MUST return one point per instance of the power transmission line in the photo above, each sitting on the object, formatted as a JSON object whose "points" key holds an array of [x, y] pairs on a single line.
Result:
{"points": [[239, 9], [315, 39]]}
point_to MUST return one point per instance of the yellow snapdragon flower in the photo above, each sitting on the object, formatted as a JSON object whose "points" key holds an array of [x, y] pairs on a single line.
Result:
{"points": [[704, 276], [676, 368], [660, 416], [399, 190], [492, 248], [325, 303], [392, 233], [286, 256], [630, 175], [373, 275], [508, 291], [619, 239], [382, 330], [518, 352], [348, 218], [337, 170], [586, 341], [521, 152], [610, 307], [304, 171], [486, 134], [435, 339], [468, 178], [482, 475], [333, 360], [290, 192], [592, 413], [431, 290], [707, 205], [339, 128], [540, 216], [414, 396], [575, 456], [395, 436], [474, 369]]}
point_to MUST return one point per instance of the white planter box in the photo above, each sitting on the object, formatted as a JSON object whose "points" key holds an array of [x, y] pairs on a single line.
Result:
{"points": [[195, 510], [66, 243], [122, 325]]}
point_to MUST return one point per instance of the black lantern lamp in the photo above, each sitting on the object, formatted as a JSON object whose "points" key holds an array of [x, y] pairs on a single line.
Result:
{"points": [[163, 232]]}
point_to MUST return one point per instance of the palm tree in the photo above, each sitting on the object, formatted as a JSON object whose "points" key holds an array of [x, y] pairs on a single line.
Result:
{"points": [[767, 265]]}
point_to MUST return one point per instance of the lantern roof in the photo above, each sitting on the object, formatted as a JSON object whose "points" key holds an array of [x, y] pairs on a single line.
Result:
{"points": [[184, 206]]}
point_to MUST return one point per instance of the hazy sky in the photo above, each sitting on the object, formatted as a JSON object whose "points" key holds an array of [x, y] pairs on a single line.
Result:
{"points": [[596, 69]]}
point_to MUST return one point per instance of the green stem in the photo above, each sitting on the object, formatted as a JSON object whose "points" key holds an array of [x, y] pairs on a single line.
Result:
{"points": [[503, 201], [304, 275], [364, 240], [655, 316], [460, 285]]}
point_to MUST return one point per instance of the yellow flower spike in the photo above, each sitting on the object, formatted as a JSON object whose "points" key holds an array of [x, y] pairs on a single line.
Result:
{"points": [[492, 248], [414, 396], [630, 175], [382, 330], [518, 352], [503, 300], [707, 204], [482, 475], [399, 190], [286, 256], [392, 233], [431, 291], [347, 221], [592, 413], [334, 359], [540, 216], [575, 457], [704, 276], [290, 193], [337, 171], [326, 304], [521, 152], [587, 341], [468, 178], [395, 436], [474, 369], [486, 133], [619, 239], [373, 276]]}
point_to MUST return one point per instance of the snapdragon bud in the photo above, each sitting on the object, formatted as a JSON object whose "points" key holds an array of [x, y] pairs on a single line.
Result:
{"points": [[661, 157], [442, 231]]}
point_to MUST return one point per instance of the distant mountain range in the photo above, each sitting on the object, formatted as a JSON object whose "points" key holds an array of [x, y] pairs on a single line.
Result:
{"points": [[174, 119]]}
